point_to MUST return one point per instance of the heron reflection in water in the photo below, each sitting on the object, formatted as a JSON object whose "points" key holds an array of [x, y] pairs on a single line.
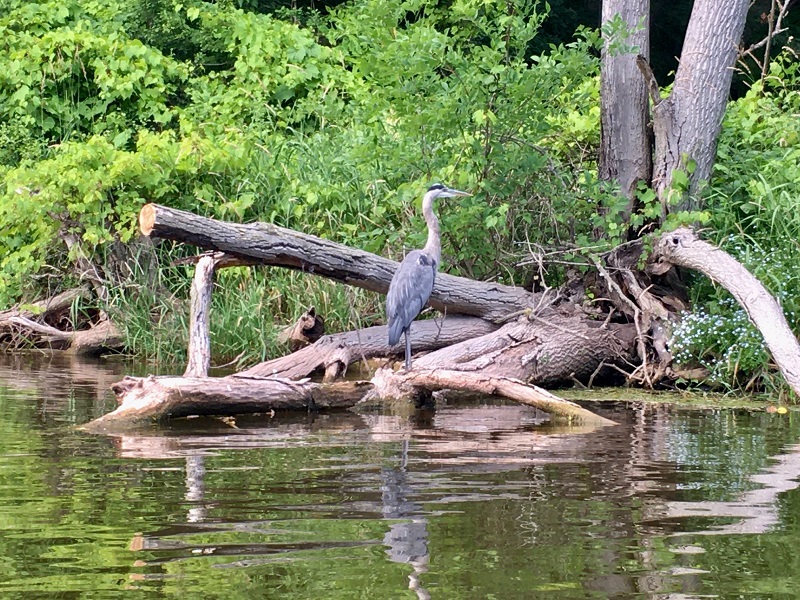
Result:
{"points": [[407, 539], [412, 283]]}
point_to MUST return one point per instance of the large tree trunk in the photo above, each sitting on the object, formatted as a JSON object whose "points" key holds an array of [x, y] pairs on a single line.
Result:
{"points": [[625, 147], [687, 123]]}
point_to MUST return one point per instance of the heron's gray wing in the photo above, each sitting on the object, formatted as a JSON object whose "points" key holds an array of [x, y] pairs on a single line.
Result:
{"points": [[409, 292]]}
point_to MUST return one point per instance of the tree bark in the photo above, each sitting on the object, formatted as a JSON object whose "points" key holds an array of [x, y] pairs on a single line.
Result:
{"points": [[546, 350], [687, 123], [625, 147], [199, 352], [266, 244]]}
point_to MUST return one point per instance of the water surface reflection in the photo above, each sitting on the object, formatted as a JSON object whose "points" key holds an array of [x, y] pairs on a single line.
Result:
{"points": [[470, 501]]}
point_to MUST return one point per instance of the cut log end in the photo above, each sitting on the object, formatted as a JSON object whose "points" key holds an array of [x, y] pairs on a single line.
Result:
{"points": [[147, 219]]}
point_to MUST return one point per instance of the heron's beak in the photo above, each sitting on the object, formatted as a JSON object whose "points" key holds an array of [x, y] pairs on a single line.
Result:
{"points": [[458, 192]]}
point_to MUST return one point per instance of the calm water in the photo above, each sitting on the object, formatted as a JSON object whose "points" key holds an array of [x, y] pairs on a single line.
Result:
{"points": [[475, 501]]}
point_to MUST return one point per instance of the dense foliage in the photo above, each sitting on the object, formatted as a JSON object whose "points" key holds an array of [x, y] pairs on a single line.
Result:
{"points": [[333, 128], [332, 124]]}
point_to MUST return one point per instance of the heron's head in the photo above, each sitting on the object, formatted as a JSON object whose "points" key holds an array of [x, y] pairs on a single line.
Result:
{"points": [[438, 190]]}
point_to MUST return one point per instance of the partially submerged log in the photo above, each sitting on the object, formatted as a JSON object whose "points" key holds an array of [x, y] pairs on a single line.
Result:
{"points": [[396, 384], [146, 399]]}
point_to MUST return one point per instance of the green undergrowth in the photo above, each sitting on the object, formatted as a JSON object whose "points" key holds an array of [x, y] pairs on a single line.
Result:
{"points": [[334, 127], [335, 124], [250, 307]]}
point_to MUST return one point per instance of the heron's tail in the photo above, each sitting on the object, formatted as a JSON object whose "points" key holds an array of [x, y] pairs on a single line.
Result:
{"points": [[395, 331]]}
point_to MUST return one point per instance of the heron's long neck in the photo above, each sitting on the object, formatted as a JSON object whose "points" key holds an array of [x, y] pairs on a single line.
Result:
{"points": [[433, 245]]}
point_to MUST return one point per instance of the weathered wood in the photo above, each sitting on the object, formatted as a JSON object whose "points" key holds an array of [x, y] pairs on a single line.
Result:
{"points": [[199, 351], [390, 384], [268, 244], [85, 342], [625, 152], [686, 124], [545, 350], [683, 248], [151, 398], [334, 353]]}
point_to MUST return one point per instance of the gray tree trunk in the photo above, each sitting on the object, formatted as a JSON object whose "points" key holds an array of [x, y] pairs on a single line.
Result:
{"points": [[687, 123], [625, 148]]}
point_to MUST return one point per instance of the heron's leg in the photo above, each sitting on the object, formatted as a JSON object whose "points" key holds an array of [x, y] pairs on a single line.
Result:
{"points": [[408, 348]]}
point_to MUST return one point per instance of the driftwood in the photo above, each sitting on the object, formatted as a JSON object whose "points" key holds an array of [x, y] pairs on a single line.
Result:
{"points": [[569, 350], [146, 399], [394, 384], [547, 349], [46, 324], [506, 342], [199, 352]]}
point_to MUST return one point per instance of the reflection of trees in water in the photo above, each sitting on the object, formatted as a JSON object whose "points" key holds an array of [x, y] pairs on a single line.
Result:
{"points": [[621, 485], [195, 488], [65, 387]]}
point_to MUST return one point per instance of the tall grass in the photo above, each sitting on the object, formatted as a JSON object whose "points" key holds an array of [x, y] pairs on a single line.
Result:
{"points": [[250, 307]]}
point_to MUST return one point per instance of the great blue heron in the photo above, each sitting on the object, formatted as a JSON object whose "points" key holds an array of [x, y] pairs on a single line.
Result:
{"points": [[413, 281]]}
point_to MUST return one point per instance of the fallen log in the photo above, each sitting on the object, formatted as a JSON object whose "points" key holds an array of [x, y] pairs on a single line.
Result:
{"points": [[100, 337], [397, 384], [267, 244], [147, 399]]}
